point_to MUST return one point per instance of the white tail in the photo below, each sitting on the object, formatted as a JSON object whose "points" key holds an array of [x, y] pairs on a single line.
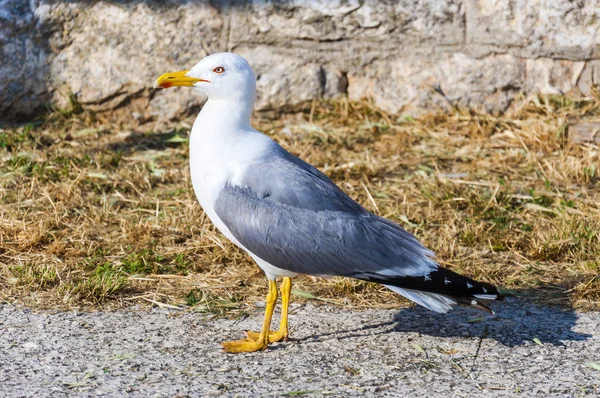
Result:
{"points": [[432, 301]]}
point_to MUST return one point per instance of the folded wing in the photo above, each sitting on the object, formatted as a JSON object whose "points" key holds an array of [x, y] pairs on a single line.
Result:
{"points": [[292, 216]]}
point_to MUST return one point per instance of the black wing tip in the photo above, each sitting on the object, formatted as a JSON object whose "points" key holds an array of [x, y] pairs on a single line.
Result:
{"points": [[483, 307], [441, 281], [475, 303]]}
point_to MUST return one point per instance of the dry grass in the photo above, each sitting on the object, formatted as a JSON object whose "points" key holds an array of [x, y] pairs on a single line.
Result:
{"points": [[92, 215]]}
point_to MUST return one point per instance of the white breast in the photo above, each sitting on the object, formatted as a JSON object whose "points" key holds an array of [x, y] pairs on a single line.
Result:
{"points": [[213, 163], [216, 162]]}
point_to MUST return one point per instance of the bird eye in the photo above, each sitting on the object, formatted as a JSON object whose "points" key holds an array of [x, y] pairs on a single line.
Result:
{"points": [[219, 69]]}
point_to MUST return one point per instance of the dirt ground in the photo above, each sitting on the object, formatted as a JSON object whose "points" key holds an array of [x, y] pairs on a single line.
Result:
{"points": [[97, 215], [113, 282]]}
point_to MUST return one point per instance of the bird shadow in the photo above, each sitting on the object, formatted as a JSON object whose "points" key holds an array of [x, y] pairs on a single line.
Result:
{"points": [[515, 323]]}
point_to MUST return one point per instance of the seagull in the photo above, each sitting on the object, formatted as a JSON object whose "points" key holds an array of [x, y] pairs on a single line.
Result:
{"points": [[289, 216]]}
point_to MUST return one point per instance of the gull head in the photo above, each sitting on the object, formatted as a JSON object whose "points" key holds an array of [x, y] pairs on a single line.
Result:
{"points": [[219, 76]]}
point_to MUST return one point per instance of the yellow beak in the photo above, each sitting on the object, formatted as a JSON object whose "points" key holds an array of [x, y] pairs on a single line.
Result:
{"points": [[171, 79]]}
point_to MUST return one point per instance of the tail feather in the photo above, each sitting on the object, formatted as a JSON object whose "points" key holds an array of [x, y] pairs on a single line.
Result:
{"points": [[439, 290], [432, 301], [439, 302], [471, 302]]}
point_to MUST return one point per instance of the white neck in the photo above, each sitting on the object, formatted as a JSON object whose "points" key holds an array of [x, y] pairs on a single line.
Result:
{"points": [[223, 117], [220, 130]]}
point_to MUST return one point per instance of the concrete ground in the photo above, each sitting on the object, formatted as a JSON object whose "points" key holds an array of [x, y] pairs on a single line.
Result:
{"points": [[525, 350]]}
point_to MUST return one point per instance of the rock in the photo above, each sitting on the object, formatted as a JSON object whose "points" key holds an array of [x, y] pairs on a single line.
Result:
{"points": [[553, 29], [406, 85], [23, 60], [105, 54], [115, 52], [367, 23], [285, 79], [587, 131], [553, 77]]}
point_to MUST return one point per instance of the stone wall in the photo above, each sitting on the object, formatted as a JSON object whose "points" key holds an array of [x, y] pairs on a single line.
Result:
{"points": [[482, 53]]}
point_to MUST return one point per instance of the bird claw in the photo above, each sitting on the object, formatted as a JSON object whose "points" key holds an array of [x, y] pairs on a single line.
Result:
{"points": [[274, 336], [245, 345]]}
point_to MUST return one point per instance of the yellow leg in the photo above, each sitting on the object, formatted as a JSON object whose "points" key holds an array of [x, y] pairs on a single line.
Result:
{"points": [[248, 345], [282, 333]]}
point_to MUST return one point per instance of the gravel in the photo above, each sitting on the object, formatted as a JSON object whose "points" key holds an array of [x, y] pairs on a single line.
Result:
{"points": [[525, 350]]}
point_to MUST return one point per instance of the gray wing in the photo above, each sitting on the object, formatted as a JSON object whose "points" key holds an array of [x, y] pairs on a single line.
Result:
{"points": [[291, 215], [283, 178]]}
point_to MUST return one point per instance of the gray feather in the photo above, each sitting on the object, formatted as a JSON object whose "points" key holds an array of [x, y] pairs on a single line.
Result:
{"points": [[286, 179], [292, 216]]}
